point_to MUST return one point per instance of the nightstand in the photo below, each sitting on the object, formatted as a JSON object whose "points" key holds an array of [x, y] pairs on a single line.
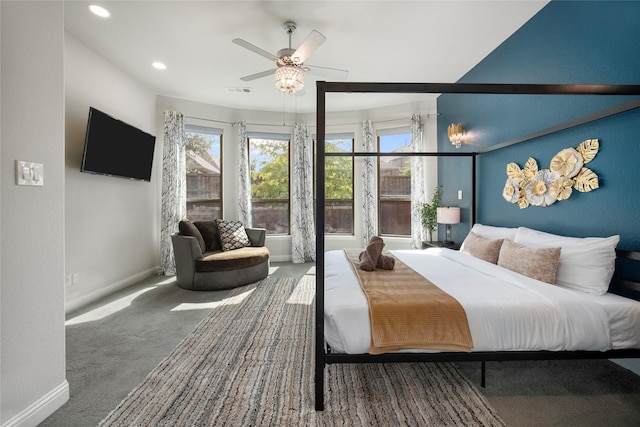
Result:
{"points": [[434, 244]]}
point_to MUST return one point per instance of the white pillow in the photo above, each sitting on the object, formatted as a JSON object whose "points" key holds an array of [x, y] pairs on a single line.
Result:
{"points": [[492, 232], [586, 263]]}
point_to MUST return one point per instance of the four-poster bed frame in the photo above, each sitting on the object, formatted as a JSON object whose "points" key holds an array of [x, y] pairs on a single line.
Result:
{"points": [[324, 357]]}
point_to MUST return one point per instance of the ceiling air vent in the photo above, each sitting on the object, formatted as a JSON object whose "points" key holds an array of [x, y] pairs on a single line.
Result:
{"points": [[239, 90]]}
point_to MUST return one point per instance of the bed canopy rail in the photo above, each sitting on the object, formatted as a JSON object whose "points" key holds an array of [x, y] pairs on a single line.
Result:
{"points": [[322, 355]]}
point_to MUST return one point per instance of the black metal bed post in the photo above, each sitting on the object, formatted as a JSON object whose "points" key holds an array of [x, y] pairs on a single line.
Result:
{"points": [[474, 189], [320, 196], [474, 213]]}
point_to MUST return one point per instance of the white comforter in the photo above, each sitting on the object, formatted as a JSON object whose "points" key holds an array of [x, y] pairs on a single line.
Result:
{"points": [[506, 311]]}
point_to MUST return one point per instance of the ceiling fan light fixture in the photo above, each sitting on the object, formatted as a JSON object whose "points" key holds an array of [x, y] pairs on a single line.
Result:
{"points": [[289, 78]]}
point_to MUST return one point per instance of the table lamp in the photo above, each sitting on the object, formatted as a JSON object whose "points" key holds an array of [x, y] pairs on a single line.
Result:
{"points": [[448, 215]]}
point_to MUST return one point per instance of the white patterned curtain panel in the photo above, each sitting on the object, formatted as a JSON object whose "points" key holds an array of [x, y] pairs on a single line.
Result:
{"points": [[417, 182], [369, 192], [303, 236], [244, 179], [174, 187]]}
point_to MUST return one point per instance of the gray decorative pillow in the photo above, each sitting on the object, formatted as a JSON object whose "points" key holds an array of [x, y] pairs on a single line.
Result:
{"points": [[537, 263], [482, 247], [232, 235], [186, 228]]}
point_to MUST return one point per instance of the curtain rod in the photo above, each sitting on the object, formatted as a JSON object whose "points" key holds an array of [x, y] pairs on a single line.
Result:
{"points": [[208, 120], [233, 123], [428, 116]]}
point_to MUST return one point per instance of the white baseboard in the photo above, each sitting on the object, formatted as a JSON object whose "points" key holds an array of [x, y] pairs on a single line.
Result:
{"points": [[79, 302], [631, 364], [41, 409]]}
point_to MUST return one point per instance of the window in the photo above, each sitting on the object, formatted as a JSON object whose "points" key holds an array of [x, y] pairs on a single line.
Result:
{"points": [[394, 189], [269, 169], [338, 210], [204, 173]]}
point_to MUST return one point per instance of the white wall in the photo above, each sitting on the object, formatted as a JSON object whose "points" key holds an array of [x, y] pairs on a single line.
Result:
{"points": [[32, 343], [112, 224], [342, 122]]}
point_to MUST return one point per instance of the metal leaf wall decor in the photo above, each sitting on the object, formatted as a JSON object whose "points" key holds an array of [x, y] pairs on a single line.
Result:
{"points": [[543, 187]]}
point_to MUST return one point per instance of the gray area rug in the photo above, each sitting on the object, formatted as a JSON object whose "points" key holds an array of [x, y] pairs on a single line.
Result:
{"points": [[250, 363]]}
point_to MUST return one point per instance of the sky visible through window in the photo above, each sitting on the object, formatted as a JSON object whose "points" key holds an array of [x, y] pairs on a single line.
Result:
{"points": [[388, 143], [205, 150], [214, 143], [259, 156]]}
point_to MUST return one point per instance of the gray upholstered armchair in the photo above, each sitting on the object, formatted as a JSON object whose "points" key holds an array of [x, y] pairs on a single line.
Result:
{"points": [[206, 262]]}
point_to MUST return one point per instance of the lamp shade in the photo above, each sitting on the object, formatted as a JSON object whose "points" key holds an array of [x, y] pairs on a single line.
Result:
{"points": [[448, 215]]}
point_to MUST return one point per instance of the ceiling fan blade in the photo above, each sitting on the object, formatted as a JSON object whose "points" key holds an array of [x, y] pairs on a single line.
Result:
{"points": [[255, 49], [332, 73], [308, 46], [257, 75]]}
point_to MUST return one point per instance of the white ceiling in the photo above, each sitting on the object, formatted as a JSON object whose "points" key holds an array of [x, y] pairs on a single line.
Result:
{"points": [[376, 41]]}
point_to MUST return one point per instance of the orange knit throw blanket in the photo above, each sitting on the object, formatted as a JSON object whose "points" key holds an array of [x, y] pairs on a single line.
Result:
{"points": [[407, 311]]}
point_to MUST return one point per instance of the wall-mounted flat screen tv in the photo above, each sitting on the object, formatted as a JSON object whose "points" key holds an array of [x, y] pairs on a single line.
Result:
{"points": [[113, 147]]}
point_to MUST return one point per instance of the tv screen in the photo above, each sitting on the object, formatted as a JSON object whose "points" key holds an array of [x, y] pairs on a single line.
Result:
{"points": [[113, 147]]}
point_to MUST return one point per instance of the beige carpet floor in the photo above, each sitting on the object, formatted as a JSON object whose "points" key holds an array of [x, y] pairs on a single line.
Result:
{"points": [[250, 363]]}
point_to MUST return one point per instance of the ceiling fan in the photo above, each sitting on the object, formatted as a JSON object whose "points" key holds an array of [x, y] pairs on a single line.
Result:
{"points": [[290, 66]]}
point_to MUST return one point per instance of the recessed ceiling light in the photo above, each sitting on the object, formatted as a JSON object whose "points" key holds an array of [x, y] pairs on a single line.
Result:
{"points": [[99, 10], [159, 66]]}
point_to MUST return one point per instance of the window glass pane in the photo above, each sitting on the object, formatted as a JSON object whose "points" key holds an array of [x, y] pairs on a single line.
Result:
{"points": [[338, 216], [395, 217], [204, 210], [395, 185], [269, 168], [204, 174], [271, 214], [338, 209]]}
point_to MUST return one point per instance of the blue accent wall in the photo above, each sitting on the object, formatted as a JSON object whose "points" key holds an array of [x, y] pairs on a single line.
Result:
{"points": [[581, 42]]}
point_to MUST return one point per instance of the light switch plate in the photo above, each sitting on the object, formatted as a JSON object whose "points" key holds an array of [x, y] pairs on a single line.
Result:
{"points": [[29, 173]]}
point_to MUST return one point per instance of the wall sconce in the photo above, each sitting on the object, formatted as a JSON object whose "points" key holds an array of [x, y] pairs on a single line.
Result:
{"points": [[448, 215], [456, 134]]}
